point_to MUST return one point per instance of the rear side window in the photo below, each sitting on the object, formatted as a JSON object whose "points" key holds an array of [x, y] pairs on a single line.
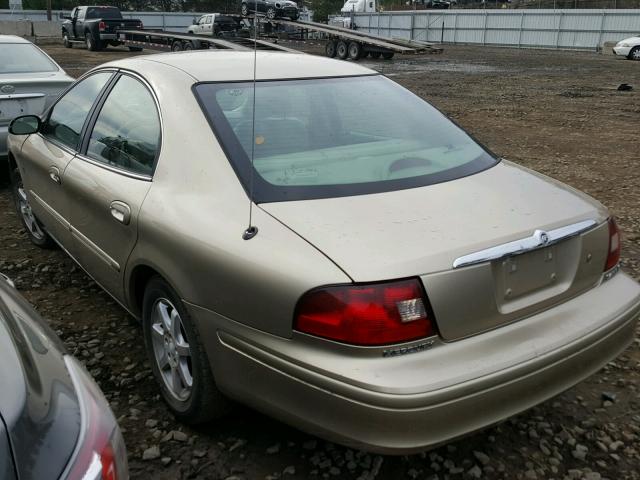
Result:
{"points": [[69, 114], [126, 134], [333, 137]]}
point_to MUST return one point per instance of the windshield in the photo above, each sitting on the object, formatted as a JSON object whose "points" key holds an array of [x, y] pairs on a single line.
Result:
{"points": [[104, 12], [24, 58], [334, 137]]}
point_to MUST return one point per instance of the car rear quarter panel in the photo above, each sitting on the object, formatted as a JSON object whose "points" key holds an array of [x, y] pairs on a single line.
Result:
{"points": [[37, 399], [192, 220]]}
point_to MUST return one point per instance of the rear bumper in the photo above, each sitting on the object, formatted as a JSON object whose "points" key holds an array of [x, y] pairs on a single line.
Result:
{"points": [[570, 342]]}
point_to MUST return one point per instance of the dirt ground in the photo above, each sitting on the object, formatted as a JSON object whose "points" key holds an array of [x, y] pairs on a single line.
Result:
{"points": [[557, 112]]}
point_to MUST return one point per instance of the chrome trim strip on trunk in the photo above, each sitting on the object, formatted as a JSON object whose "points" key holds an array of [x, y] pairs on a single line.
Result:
{"points": [[15, 96], [539, 239]]}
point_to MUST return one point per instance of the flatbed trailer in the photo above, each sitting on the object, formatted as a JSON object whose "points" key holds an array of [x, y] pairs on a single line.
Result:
{"points": [[178, 41], [347, 43]]}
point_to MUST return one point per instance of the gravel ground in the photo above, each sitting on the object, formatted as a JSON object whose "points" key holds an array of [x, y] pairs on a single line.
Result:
{"points": [[556, 112]]}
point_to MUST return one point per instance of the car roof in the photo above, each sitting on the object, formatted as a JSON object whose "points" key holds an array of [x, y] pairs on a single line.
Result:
{"points": [[12, 39], [217, 66]]}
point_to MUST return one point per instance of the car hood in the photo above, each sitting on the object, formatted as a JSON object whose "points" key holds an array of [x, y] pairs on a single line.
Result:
{"points": [[38, 402], [423, 230], [630, 40]]}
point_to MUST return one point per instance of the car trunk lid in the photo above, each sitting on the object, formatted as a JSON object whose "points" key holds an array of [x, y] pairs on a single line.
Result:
{"points": [[28, 94], [423, 231]]}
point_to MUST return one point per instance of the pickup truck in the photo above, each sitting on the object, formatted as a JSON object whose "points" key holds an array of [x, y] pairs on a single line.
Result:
{"points": [[215, 24], [96, 27]]}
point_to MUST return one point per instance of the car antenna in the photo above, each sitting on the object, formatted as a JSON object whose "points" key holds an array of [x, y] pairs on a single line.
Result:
{"points": [[252, 230]]}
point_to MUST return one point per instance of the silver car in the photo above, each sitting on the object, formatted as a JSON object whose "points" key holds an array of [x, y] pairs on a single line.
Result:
{"points": [[29, 82], [342, 256]]}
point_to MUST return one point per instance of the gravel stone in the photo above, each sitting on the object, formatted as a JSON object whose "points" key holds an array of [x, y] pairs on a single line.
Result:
{"points": [[151, 453]]}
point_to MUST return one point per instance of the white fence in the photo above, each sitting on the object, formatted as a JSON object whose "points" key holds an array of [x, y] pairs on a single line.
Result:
{"points": [[566, 29]]}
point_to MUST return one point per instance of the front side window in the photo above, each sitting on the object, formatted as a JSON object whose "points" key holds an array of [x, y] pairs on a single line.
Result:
{"points": [[70, 112], [208, 19], [126, 134], [331, 137], [24, 58]]}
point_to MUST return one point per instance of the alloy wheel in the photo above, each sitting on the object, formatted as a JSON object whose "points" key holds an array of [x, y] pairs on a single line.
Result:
{"points": [[171, 349], [635, 54], [30, 220]]}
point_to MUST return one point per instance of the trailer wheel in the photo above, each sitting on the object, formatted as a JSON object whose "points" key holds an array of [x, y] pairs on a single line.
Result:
{"points": [[342, 51], [176, 46], [330, 48], [375, 54], [188, 46], [387, 55], [355, 50]]}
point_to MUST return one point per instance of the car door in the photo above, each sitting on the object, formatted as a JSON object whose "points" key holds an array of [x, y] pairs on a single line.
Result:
{"points": [[110, 178], [45, 155], [201, 22], [78, 22], [208, 26]]}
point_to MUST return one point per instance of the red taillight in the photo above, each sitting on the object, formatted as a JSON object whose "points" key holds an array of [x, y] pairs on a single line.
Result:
{"points": [[100, 451], [102, 26], [613, 255], [372, 314]]}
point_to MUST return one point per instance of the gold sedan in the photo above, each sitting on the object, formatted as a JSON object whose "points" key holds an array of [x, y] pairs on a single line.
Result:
{"points": [[322, 245]]}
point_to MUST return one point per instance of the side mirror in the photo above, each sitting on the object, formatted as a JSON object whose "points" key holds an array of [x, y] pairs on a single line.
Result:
{"points": [[25, 125], [194, 20]]}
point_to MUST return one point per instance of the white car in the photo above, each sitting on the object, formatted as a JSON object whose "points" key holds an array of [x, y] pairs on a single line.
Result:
{"points": [[629, 47]]}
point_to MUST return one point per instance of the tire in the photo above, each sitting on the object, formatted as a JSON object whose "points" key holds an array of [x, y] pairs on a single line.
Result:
{"points": [[65, 40], [244, 10], [35, 231], [271, 13], [355, 51], [375, 55], [171, 339], [176, 46], [330, 49], [634, 54], [387, 55], [135, 49], [342, 50], [187, 46], [92, 45]]}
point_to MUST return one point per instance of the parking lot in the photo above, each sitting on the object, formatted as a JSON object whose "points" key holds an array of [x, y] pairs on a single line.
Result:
{"points": [[557, 112]]}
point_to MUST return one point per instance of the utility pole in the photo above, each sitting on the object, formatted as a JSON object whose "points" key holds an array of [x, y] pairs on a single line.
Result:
{"points": [[49, 10]]}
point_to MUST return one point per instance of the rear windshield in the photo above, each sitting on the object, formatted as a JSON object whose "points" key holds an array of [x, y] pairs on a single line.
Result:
{"points": [[321, 138], [103, 12], [24, 58]]}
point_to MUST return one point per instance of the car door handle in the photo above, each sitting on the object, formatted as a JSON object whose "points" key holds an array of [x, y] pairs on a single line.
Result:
{"points": [[121, 212], [54, 174]]}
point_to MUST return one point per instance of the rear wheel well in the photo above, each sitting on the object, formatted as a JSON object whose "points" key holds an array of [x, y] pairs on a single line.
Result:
{"points": [[139, 279]]}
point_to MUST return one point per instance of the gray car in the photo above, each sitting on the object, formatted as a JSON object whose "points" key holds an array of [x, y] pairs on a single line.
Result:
{"points": [[399, 285], [29, 82], [54, 421]]}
